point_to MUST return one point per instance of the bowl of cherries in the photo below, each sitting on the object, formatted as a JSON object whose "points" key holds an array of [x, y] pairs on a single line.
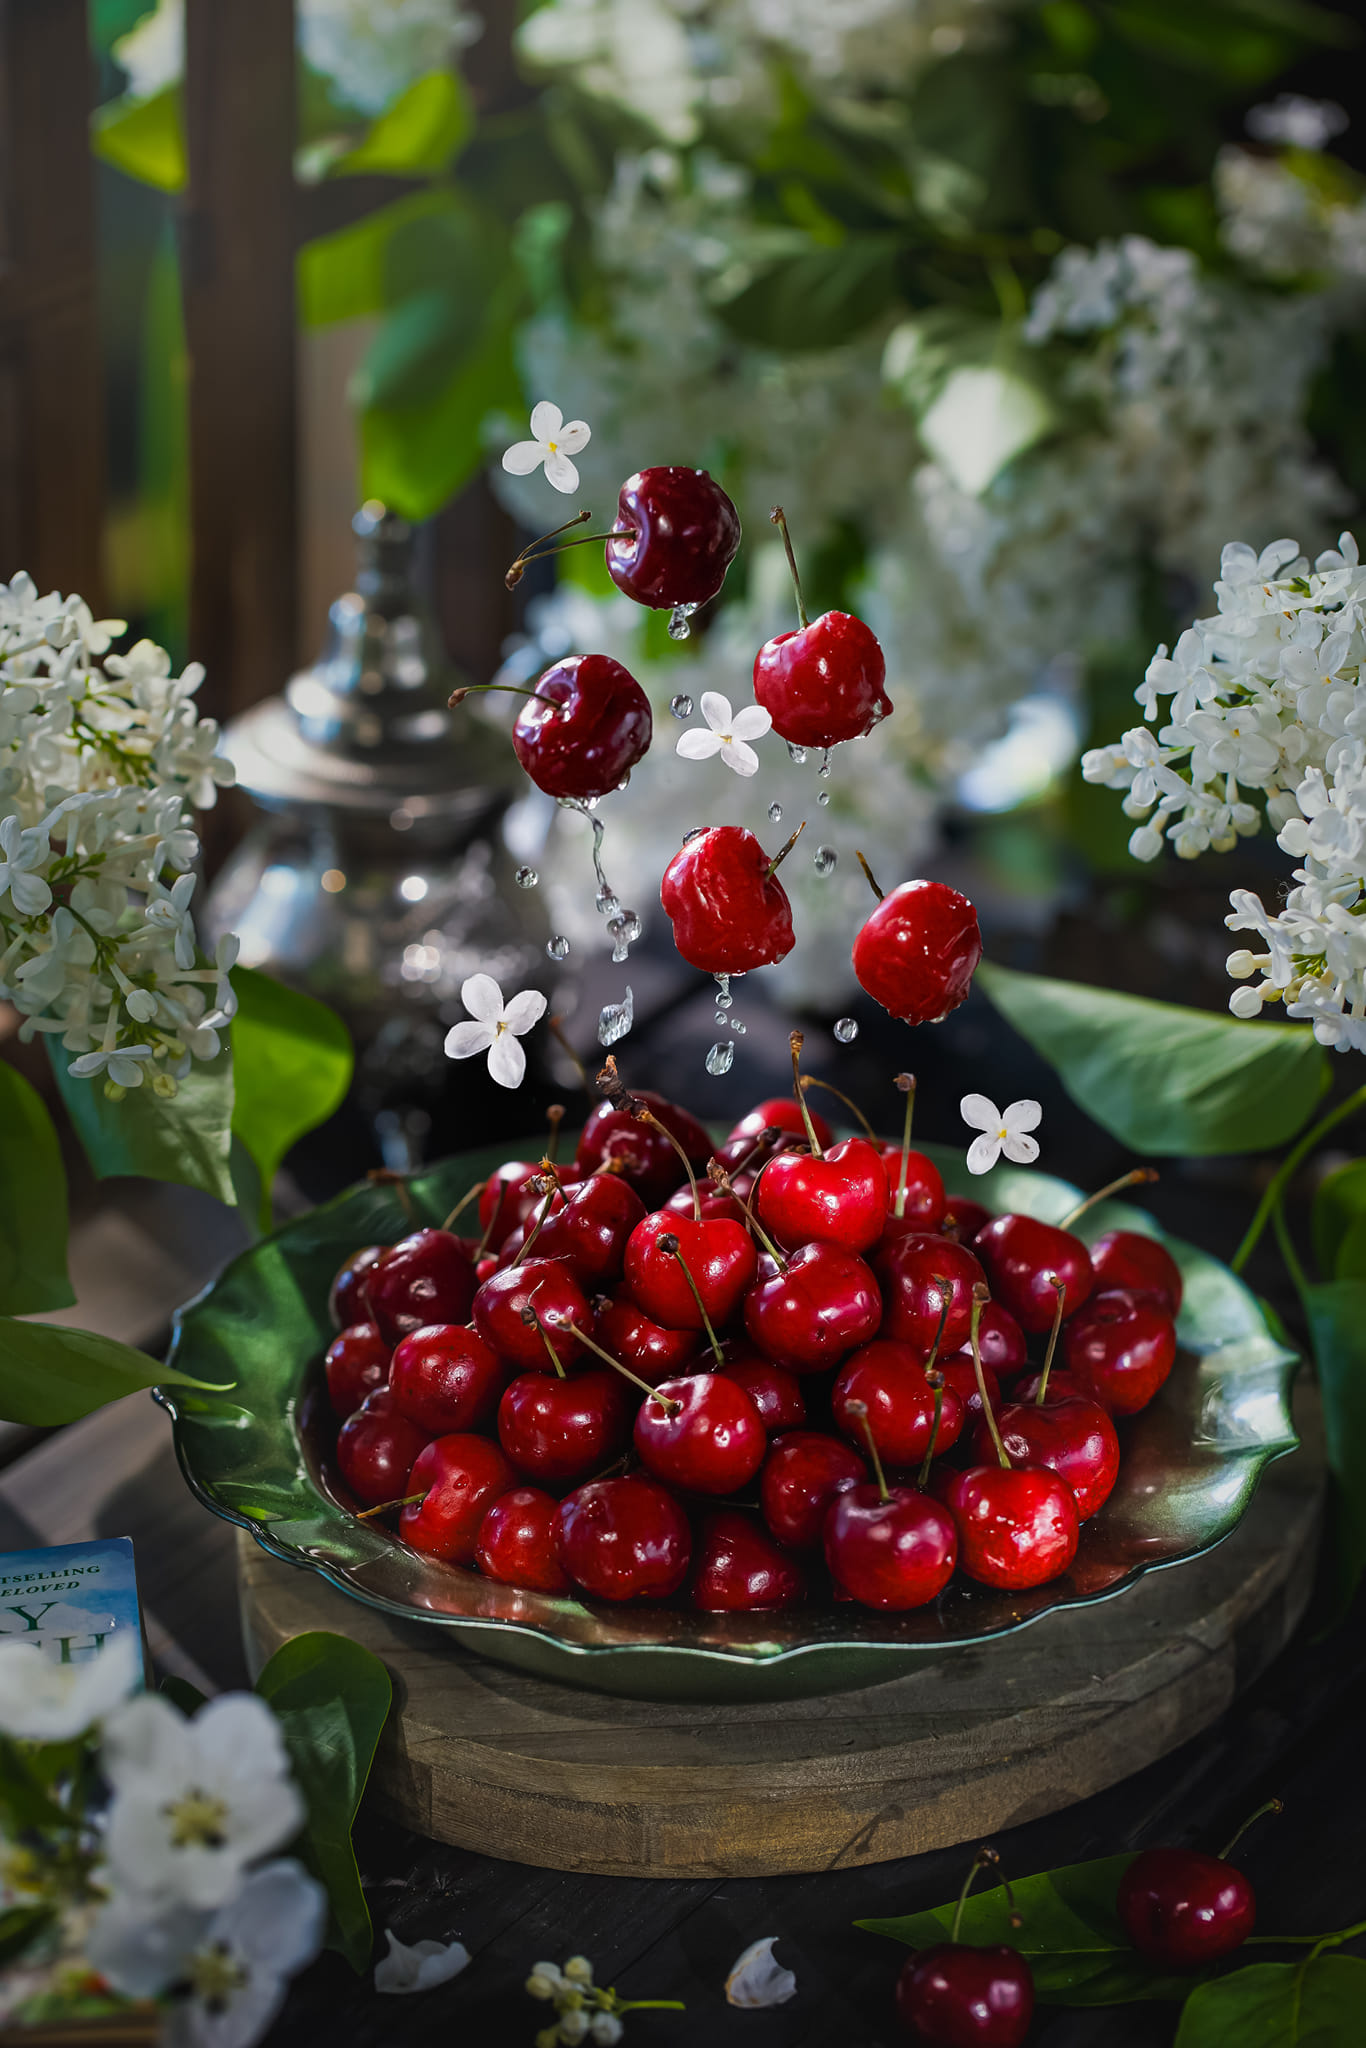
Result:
{"points": [[764, 1412]]}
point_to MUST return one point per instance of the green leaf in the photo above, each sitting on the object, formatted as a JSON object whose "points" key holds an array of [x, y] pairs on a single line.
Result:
{"points": [[419, 134], [181, 1694], [409, 360], [1319, 2003], [292, 1068], [33, 1272], [1339, 1223], [186, 1140], [1336, 1310], [19, 1926], [50, 1375], [332, 1699], [1161, 1078], [144, 138], [416, 457], [344, 276], [818, 298]]}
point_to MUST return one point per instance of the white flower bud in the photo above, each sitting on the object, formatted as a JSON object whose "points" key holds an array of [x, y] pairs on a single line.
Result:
{"points": [[1246, 1002], [1241, 964], [574, 2026], [606, 2030], [579, 1970], [1145, 843]]}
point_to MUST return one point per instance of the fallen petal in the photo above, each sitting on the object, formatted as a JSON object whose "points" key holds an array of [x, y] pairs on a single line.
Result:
{"points": [[419, 1967], [756, 1979]]}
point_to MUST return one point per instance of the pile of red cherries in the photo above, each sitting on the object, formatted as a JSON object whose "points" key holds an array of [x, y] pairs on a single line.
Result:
{"points": [[788, 1369]]}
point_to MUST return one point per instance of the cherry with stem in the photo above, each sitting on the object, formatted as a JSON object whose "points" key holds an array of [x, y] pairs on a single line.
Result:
{"points": [[1137, 1176], [796, 1041], [669, 1245], [1060, 1288], [410, 1500], [980, 1297], [778, 518], [670, 1406], [906, 1083], [537, 551], [470, 1195], [936, 1380], [644, 1115]]}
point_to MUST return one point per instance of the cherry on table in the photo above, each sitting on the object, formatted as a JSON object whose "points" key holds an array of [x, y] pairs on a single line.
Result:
{"points": [[881, 1390], [590, 1227], [1073, 1437], [427, 1277], [728, 909], [958, 1995], [802, 1474], [355, 1363], [346, 1303], [584, 727], [685, 1273], [445, 1378], [614, 1137], [701, 1433], [1182, 1908], [516, 1542], [1024, 1261], [806, 1314], [624, 1539], [775, 1392], [376, 1448], [891, 1547], [919, 1275], [918, 952], [1128, 1259], [561, 1430], [677, 533], [738, 1568], [1121, 1346], [508, 1305]]}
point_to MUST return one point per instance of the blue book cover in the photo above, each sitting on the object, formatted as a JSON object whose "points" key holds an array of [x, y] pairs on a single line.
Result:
{"points": [[66, 1602]]}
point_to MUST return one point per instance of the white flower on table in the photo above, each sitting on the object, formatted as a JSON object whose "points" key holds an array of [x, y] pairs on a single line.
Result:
{"points": [[1003, 1131], [496, 1028], [418, 1966], [42, 1701], [756, 1978], [728, 734], [552, 443]]}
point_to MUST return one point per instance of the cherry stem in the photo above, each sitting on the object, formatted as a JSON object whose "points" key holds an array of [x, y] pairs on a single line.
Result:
{"points": [[784, 850], [499, 1185], [765, 1139], [1060, 1289], [980, 1298], [933, 1358], [779, 519], [554, 1116], [529, 1241], [464, 1202], [720, 1179], [385, 1177], [670, 1406], [859, 1411], [796, 1041], [936, 1380], [1271, 1806], [536, 550], [810, 1081], [906, 1083], [980, 1861], [872, 879], [410, 1500], [1136, 1177], [667, 1242], [457, 697], [555, 1026], [644, 1115], [529, 1315]]}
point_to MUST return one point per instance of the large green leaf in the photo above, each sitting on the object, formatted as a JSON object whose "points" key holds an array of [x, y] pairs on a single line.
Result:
{"points": [[345, 276], [144, 138], [292, 1067], [1163, 1079], [186, 1140], [51, 1375], [1319, 2003], [409, 361], [33, 1272], [416, 457], [1339, 1223], [1336, 1310], [819, 298], [419, 134], [332, 1699]]}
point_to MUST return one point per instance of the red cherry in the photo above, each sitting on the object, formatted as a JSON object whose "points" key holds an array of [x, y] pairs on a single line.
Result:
{"points": [[823, 1303], [643, 1156], [918, 1275], [728, 909], [802, 1474], [585, 727], [425, 1278], [560, 1431], [739, 1569], [683, 535], [356, 1363], [508, 1191], [779, 1113], [961, 1997], [966, 1217], [892, 1548], [918, 952], [1017, 1526], [886, 1382], [840, 1198], [1182, 1908], [1121, 1347], [461, 1476], [376, 1448], [960, 1373], [589, 1228], [924, 1202], [823, 683], [445, 1378], [1074, 1438], [775, 1392], [346, 1302], [1126, 1258], [719, 1256], [1062, 1386], [624, 1539], [549, 1288], [701, 1433], [624, 1330], [1023, 1257], [516, 1542]]}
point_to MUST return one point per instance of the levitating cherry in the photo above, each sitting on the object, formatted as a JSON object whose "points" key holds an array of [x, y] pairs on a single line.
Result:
{"points": [[782, 1118], [1126, 1258], [684, 1273], [775, 1392], [808, 1313], [739, 1569], [425, 1278], [516, 1542], [624, 1539], [918, 952], [445, 1378], [558, 1431], [589, 1228], [1023, 1260], [728, 909], [613, 1136], [376, 1448], [1121, 1347], [356, 1363], [956, 1995], [802, 1474], [677, 533], [1182, 1908], [584, 728], [823, 683], [510, 1305], [626, 1333], [460, 1477], [918, 1276], [891, 1547], [346, 1304], [701, 1433], [882, 1392]]}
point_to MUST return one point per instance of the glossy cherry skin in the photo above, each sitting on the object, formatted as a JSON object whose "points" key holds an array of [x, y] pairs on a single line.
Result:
{"points": [[963, 1217], [1016, 1528], [445, 1378], [823, 683], [624, 1539], [711, 1201], [1121, 1347], [346, 1304], [376, 1448], [718, 1253], [729, 912], [925, 1200], [642, 1155], [509, 1192], [561, 1431], [622, 1328], [590, 1227], [585, 728], [356, 1363], [824, 1303], [918, 952], [961, 1374], [890, 1553], [683, 534], [1183, 1908], [775, 1392], [1126, 1258], [1022, 1258], [516, 1542], [780, 1114], [462, 1477], [707, 1439], [889, 1380], [918, 1275], [1062, 1386], [840, 1198], [425, 1278], [738, 1569], [548, 1286], [1075, 1438], [960, 1997], [805, 1470]]}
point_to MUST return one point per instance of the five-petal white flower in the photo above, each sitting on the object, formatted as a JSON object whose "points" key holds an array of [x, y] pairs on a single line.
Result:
{"points": [[727, 734], [756, 1978], [42, 1701], [1003, 1131], [496, 1029], [419, 1966], [552, 443]]}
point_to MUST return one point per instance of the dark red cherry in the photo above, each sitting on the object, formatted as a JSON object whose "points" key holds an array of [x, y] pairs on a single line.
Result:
{"points": [[961, 1374], [346, 1304], [919, 1275], [720, 1259], [701, 1433], [804, 1471], [728, 909], [356, 1363], [1121, 1347], [376, 1447], [1017, 1527], [1182, 1908], [590, 1227], [891, 1396], [462, 1476], [1062, 1386], [963, 1217], [915, 1191], [560, 1431], [824, 682], [1126, 1258], [823, 1303], [509, 1192], [1023, 1257], [584, 729], [445, 1378], [711, 1201], [516, 1542], [739, 1569], [624, 1539], [775, 1392], [682, 536], [1075, 1438], [891, 1550], [642, 1155], [840, 1198], [1001, 1341], [624, 1330], [955, 1996], [779, 1114], [425, 1278], [545, 1285], [918, 952]]}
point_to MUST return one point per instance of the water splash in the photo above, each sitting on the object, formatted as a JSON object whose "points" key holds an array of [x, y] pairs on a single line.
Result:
{"points": [[846, 1031], [694, 832], [775, 813], [724, 998], [825, 860], [824, 769], [527, 878], [798, 754], [681, 705], [720, 1059], [558, 947], [606, 903], [737, 1027], [623, 931], [616, 1019], [680, 621]]}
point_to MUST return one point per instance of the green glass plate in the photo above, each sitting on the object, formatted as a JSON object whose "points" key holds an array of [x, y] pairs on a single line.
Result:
{"points": [[257, 1455]]}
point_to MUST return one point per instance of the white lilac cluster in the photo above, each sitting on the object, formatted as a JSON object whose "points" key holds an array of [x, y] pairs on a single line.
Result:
{"points": [[1265, 708], [1292, 219], [103, 759]]}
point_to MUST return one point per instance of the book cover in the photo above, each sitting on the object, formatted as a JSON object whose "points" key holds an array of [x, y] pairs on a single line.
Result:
{"points": [[67, 1601]]}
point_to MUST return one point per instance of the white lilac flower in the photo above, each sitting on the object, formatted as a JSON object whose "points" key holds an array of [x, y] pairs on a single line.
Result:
{"points": [[552, 443], [756, 1978], [43, 1701], [1004, 1131], [728, 733], [25, 853], [497, 1027], [122, 1063], [420, 1965]]}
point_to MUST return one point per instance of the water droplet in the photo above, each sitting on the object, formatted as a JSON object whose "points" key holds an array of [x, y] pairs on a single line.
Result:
{"points": [[721, 1019], [775, 812], [824, 860], [718, 1060], [679, 618], [824, 798], [527, 878], [616, 1019], [558, 947], [737, 1027], [694, 832], [623, 932], [824, 768], [723, 983], [625, 782], [723, 1002], [606, 901], [681, 705], [798, 754], [846, 1031]]}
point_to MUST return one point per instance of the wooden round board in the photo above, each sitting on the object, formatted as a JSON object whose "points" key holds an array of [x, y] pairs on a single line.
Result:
{"points": [[974, 1741]]}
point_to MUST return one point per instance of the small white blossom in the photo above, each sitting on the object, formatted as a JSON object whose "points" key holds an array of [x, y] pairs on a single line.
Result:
{"points": [[496, 1029], [25, 852], [727, 734], [756, 1978], [43, 1701], [552, 443], [1003, 1131], [418, 1966]]}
